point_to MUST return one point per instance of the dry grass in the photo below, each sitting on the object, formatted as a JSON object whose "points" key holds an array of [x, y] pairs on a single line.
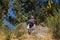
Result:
{"points": [[3, 35], [20, 33], [40, 35]]}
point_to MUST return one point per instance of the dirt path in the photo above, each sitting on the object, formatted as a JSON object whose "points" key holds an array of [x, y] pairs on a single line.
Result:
{"points": [[41, 33]]}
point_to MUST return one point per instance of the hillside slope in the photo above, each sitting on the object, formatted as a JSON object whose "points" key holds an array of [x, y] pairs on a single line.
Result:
{"points": [[37, 33]]}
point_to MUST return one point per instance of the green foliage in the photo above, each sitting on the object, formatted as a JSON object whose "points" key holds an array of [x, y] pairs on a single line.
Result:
{"points": [[54, 24]]}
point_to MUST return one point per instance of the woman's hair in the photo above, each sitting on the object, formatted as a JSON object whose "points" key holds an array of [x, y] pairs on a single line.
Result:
{"points": [[32, 16]]}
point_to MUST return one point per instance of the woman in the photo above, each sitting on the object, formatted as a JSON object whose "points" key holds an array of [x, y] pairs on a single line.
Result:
{"points": [[31, 22]]}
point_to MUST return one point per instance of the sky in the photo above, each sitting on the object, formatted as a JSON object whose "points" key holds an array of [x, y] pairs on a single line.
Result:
{"points": [[57, 1], [10, 13]]}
